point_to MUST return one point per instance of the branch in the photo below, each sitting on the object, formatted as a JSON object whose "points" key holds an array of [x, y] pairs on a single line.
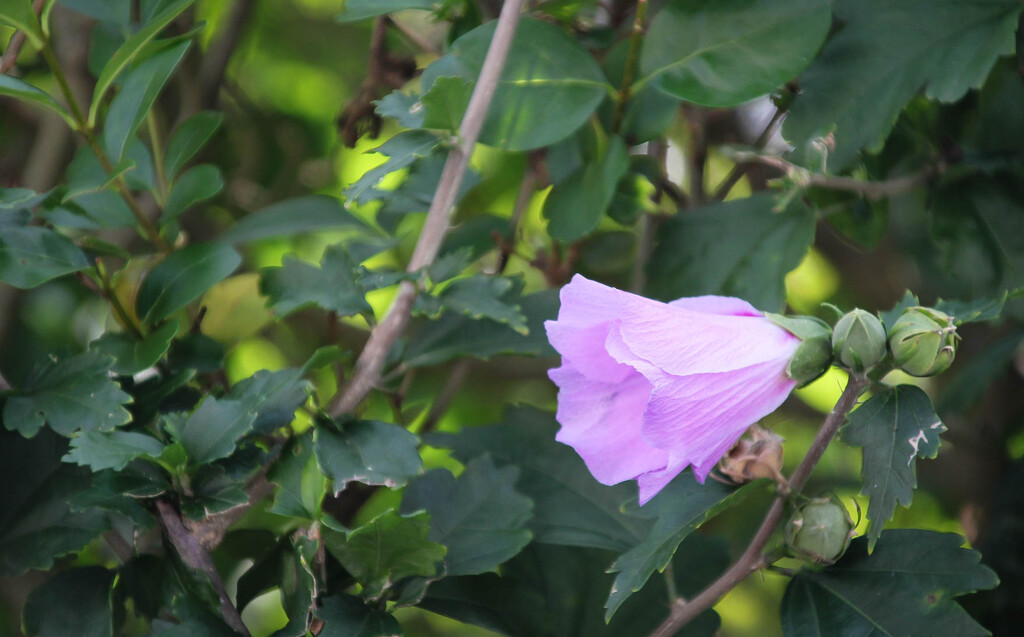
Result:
{"points": [[740, 168], [215, 62], [17, 41], [752, 559], [625, 90], [383, 337]]}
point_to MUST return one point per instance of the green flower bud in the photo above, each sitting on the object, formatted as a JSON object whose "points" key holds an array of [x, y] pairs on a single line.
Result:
{"points": [[814, 355], [820, 530], [858, 340], [923, 341]]}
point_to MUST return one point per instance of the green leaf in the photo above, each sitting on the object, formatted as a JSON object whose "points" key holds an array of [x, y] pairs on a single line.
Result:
{"points": [[183, 277], [367, 451], [132, 355], [973, 379], [385, 550], [405, 108], [649, 112], [681, 507], [212, 491], [894, 428], [347, 616], [188, 139], [417, 191], [570, 506], [446, 102], [13, 87], [575, 206], [889, 52], [725, 52], [454, 335], [74, 603], [74, 394], [479, 517], [333, 286], [292, 216], [101, 450], [32, 255], [401, 150], [298, 586], [905, 587], [136, 96], [121, 492], [211, 432], [478, 297], [36, 523], [738, 248], [20, 15], [196, 351], [273, 396], [355, 10], [549, 86], [128, 51], [973, 311], [301, 486], [198, 183]]}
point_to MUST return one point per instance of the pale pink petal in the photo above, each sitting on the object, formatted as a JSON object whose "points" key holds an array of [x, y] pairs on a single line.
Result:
{"points": [[585, 302], [601, 421], [728, 305], [583, 348], [650, 483]]}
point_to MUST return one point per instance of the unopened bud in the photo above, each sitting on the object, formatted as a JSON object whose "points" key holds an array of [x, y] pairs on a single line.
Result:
{"points": [[814, 355], [820, 530], [756, 455], [858, 340], [923, 341]]}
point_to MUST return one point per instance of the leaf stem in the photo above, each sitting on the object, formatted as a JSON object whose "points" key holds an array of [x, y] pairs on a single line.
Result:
{"points": [[384, 335], [683, 611], [625, 90]]}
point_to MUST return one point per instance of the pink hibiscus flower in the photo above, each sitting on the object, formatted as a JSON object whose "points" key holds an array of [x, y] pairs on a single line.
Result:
{"points": [[647, 389]]}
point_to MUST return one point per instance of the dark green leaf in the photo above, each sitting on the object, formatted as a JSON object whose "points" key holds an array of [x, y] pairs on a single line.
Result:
{"points": [[133, 355], [21, 15], [739, 248], [445, 103], [681, 507], [74, 603], [973, 380], [212, 491], [298, 587], [905, 587], [13, 87], [211, 432], [32, 255], [575, 206], [274, 396], [100, 450], [570, 507], [405, 108], [300, 485], [348, 616], [650, 111], [478, 297], [136, 96], [386, 549], [355, 10], [889, 52], [20, 199], [333, 286], [894, 428], [479, 517], [725, 52], [549, 86], [196, 351], [182, 278], [121, 492], [292, 216], [74, 394], [417, 191], [401, 150], [188, 139], [367, 451], [198, 183], [972, 311]]}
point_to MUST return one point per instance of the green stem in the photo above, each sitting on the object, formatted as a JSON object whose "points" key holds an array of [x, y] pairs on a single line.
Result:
{"points": [[126, 317], [625, 90]]}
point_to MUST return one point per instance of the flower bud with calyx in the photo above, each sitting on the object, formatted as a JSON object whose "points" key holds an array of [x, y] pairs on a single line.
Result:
{"points": [[820, 530], [923, 341], [858, 340], [758, 454], [814, 355]]}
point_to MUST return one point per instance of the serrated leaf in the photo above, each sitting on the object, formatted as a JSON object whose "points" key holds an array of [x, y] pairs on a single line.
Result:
{"points": [[74, 394], [973, 311], [894, 428], [100, 450], [478, 297], [212, 491], [905, 587], [74, 603], [188, 139], [212, 430], [132, 355], [738, 248], [196, 351], [121, 492], [292, 216], [334, 286], [725, 52], [681, 507], [182, 278], [576, 205], [386, 549], [32, 255], [445, 103], [355, 10], [479, 517], [367, 451], [401, 150], [197, 184], [348, 616], [18, 89], [570, 506], [298, 586], [273, 396], [403, 107], [301, 485], [417, 191], [890, 52]]}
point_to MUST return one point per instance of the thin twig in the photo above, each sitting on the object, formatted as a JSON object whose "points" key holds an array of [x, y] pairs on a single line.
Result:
{"points": [[444, 398], [10, 57], [740, 168], [215, 62], [645, 230], [625, 89], [696, 153], [383, 337], [752, 559], [523, 198]]}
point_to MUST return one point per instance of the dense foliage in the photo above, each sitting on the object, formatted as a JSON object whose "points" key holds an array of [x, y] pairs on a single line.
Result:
{"points": [[209, 207]]}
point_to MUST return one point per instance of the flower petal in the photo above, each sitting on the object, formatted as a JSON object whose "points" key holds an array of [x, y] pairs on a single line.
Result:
{"points": [[583, 348], [726, 305], [585, 302]]}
